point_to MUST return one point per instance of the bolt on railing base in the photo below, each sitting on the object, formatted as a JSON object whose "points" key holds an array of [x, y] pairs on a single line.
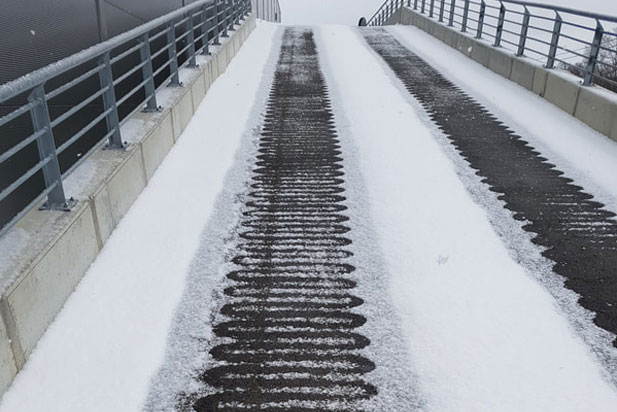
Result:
{"points": [[66, 206]]}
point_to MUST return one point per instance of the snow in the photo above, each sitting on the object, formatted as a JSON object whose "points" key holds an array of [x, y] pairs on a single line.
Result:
{"points": [[110, 337], [482, 335], [582, 153], [327, 11]]}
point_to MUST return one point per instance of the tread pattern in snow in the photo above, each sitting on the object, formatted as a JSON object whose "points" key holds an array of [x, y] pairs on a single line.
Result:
{"points": [[286, 341], [580, 236]]}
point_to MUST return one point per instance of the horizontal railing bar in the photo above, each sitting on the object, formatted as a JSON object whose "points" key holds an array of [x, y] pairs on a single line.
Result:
{"points": [[128, 74], [6, 155], [132, 92], [185, 48], [161, 68], [13, 186], [566, 36], [159, 34], [578, 26], [125, 53], [510, 32], [83, 131], [542, 29], [564, 10], [78, 107], [73, 82], [161, 51], [30, 80], [503, 40], [16, 113], [532, 38]]}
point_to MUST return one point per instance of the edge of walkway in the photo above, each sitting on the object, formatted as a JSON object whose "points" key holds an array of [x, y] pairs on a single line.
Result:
{"points": [[37, 280], [594, 106]]}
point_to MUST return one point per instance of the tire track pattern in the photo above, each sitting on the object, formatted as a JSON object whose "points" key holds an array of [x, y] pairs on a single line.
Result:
{"points": [[578, 234], [286, 338]]}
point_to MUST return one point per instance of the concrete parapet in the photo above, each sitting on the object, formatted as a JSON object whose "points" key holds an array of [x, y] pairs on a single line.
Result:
{"points": [[465, 44], [562, 92], [480, 52], [594, 106], [597, 110], [500, 61], [57, 248], [539, 81], [523, 73]]}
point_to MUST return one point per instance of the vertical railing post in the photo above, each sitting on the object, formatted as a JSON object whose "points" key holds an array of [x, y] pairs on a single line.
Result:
{"points": [[593, 54], [216, 41], [432, 6], [237, 12], [423, 6], [224, 20], [408, 3], [441, 7], [172, 54], [146, 70], [481, 19], [552, 51], [523, 36], [47, 149], [190, 38], [230, 15], [452, 7], [415, 4], [106, 82], [465, 16], [205, 28], [241, 6], [500, 22]]}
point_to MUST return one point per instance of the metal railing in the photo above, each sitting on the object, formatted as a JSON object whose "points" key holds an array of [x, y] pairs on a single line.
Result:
{"points": [[578, 41], [104, 84]]}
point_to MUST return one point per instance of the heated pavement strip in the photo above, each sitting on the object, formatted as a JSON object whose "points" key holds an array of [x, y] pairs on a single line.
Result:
{"points": [[579, 235], [286, 339]]}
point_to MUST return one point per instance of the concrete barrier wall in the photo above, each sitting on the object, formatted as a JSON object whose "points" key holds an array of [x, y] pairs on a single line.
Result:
{"points": [[594, 106], [36, 280]]}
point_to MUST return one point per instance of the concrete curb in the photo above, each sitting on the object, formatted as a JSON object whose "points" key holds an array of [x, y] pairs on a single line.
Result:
{"points": [[38, 281], [594, 106]]}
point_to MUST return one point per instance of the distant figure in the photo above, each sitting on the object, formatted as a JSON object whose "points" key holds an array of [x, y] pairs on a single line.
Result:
{"points": [[362, 22]]}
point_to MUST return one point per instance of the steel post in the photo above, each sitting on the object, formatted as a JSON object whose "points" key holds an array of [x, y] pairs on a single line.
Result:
{"points": [[146, 71], [594, 52], [216, 41], [499, 32], [452, 7], [552, 52], [172, 54], [205, 28], [481, 19], [106, 81], [523, 36], [465, 16], [47, 150], [190, 38]]}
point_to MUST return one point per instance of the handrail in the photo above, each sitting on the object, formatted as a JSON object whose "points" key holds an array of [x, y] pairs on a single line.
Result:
{"points": [[144, 59], [554, 38]]}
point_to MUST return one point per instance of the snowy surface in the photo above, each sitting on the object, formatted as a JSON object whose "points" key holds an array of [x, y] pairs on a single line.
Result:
{"points": [[481, 334], [327, 11], [110, 337], [576, 149]]}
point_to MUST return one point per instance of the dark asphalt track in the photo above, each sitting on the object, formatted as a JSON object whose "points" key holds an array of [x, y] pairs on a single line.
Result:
{"points": [[288, 341], [579, 235]]}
